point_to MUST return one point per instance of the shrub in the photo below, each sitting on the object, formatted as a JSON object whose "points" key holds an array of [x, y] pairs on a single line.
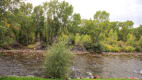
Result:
{"points": [[129, 49], [77, 39], [84, 39], [131, 40], [57, 60], [93, 47], [139, 45], [111, 48], [5, 37]]}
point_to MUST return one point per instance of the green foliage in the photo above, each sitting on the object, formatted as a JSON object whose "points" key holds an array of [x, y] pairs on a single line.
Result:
{"points": [[111, 48], [85, 39], [131, 40], [7, 6], [23, 24], [75, 24], [97, 30], [36, 78], [138, 32], [5, 39], [33, 46], [110, 44], [58, 60], [125, 28], [129, 49], [77, 39], [93, 47], [101, 16], [58, 19], [22, 78], [139, 45], [140, 41], [38, 20], [82, 39], [124, 47]]}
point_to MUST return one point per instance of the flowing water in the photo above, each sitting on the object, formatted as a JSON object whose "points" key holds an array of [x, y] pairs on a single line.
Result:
{"points": [[121, 66], [109, 66]]}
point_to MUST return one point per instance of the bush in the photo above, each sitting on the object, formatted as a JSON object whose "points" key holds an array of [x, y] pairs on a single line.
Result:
{"points": [[5, 37], [139, 45], [77, 39], [131, 40], [111, 48], [57, 60], [85, 39], [94, 47], [129, 49]]}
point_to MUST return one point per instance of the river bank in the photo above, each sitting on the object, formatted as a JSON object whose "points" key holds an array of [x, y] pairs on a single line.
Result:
{"points": [[28, 51]]}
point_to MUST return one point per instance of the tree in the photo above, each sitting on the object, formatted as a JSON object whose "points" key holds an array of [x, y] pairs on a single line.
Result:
{"points": [[110, 42], [138, 32], [7, 6], [139, 45], [26, 33], [38, 22], [131, 40], [74, 26], [58, 18], [5, 38], [101, 21], [125, 28], [101, 16], [7, 17], [76, 21], [115, 26], [112, 37], [94, 32]]}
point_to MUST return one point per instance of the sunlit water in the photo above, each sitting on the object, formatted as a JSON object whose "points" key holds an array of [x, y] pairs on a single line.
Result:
{"points": [[103, 66]]}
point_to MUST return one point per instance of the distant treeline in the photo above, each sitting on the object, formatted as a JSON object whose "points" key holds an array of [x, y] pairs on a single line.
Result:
{"points": [[21, 24]]}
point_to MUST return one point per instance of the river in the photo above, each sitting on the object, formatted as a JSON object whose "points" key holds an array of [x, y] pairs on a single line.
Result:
{"points": [[112, 66]]}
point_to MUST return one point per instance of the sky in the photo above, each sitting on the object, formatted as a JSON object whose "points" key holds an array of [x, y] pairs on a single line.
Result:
{"points": [[120, 10]]}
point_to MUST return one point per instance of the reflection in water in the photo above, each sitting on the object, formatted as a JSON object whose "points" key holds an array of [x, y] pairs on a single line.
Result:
{"points": [[104, 66]]}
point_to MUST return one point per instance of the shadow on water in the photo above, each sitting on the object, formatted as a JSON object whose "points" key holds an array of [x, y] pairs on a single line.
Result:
{"points": [[121, 66]]}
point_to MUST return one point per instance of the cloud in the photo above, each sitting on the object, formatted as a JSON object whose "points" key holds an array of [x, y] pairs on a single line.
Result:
{"points": [[138, 2]]}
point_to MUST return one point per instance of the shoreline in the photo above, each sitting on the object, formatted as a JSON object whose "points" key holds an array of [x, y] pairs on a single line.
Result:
{"points": [[74, 51]]}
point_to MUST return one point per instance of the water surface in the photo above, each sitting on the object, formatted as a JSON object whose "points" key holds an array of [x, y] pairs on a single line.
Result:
{"points": [[121, 66]]}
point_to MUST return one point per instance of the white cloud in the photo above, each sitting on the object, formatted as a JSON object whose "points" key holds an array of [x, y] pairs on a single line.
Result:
{"points": [[120, 10]]}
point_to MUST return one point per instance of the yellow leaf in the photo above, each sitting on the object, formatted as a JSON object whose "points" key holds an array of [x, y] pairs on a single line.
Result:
{"points": [[8, 25]]}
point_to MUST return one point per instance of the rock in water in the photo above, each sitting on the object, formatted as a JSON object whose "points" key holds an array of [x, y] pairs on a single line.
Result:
{"points": [[89, 73], [30, 76], [141, 72]]}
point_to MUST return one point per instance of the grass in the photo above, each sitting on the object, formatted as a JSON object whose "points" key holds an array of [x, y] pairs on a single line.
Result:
{"points": [[32, 46], [22, 78], [36, 78]]}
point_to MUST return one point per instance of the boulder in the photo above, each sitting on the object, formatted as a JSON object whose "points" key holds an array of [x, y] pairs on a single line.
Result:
{"points": [[141, 72]]}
